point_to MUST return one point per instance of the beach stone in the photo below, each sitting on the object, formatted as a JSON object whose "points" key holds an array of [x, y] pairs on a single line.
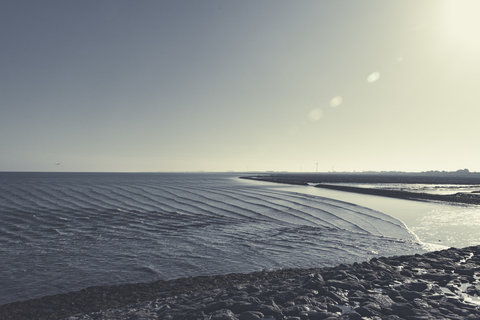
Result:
{"points": [[217, 306], [239, 297], [392, 317], [334, 308], [465, 272], [473, 290], [252, 288], [410, 295], [288, 295], [267, 310], [341, 284], [351, 315], [336, 297], [295, 310], [223, 314], [250, 315], [420, 315], [421, 304], [241, 306], [199, 315], [368, 311], [396, 296], [417, 286], [402, 309], [314, 283], [268, 293], [319, 315], [302, 291], [270, 302], [384, 301]]}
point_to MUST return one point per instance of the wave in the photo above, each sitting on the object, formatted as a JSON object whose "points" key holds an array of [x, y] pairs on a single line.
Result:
{"points": [[79, 230]]}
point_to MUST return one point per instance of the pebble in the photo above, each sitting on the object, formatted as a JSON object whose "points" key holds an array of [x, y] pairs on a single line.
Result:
{"points": [[437, 285]]}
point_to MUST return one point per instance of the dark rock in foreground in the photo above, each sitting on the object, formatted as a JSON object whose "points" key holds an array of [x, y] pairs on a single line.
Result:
{"points": [[437, 285]]}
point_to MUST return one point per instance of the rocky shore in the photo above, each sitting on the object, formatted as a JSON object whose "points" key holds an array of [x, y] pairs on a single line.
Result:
{"points": [[436, 285]]}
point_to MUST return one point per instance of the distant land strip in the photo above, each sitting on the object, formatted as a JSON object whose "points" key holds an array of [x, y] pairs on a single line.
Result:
{"points": [[458, 198], [323, 180]]}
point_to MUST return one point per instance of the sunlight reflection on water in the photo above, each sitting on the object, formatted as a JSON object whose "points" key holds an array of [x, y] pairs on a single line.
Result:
{"points": [[457, 225], [452, 225]]}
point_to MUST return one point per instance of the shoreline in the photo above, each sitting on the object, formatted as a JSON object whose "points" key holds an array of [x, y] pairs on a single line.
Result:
{"points": [[322, 182], [436, 285]]}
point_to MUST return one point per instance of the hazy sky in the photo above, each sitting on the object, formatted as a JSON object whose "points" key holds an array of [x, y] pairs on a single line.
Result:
{"points": [[239, 85]]}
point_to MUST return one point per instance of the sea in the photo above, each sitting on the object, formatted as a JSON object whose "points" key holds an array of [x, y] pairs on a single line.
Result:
{"points": [[62, 232]]}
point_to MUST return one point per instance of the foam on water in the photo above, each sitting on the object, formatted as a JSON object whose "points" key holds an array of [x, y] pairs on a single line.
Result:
{"points": [[65, 232]]}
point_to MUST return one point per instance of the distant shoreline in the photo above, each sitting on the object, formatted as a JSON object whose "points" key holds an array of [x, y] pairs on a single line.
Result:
{"points": [[322, 180]]}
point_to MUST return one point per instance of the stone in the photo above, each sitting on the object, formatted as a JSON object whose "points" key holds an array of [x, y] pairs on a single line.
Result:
{"points": [[410, 295], [336, 297], [367, 311], [267, 310], [351, 315], [384, 301], [402, 309], [392, 317], [295, 310], [327, 293], [250, 315], [320, 315], [421, 304], [223, 314], [240, 306], [199, 315], [283, 297], [417, 286], [217, 306]]}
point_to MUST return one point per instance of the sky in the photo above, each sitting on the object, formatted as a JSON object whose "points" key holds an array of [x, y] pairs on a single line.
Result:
{"points": [[133, 86]]}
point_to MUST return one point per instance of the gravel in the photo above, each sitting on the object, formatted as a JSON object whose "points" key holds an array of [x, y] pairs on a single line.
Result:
{"points": [[436, 285]]}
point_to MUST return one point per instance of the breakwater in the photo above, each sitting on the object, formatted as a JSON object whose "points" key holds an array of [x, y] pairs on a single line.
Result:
{"points": [[436, 285]]}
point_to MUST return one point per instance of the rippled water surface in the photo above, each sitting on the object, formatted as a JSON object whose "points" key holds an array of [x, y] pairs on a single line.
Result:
{"points": [[62, 232], [437, 224]]}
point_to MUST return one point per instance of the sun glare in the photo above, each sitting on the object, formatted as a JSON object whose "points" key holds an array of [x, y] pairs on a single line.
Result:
{"points": [[463, 22]]}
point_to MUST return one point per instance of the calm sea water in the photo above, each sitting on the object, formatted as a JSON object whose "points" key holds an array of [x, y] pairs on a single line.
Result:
{"points": [[62, 232], [437, 224]]}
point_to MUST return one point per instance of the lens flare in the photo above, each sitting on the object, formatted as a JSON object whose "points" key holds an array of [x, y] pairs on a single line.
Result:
{"points": [[315, 114], [373, 77], [335, 102]]}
